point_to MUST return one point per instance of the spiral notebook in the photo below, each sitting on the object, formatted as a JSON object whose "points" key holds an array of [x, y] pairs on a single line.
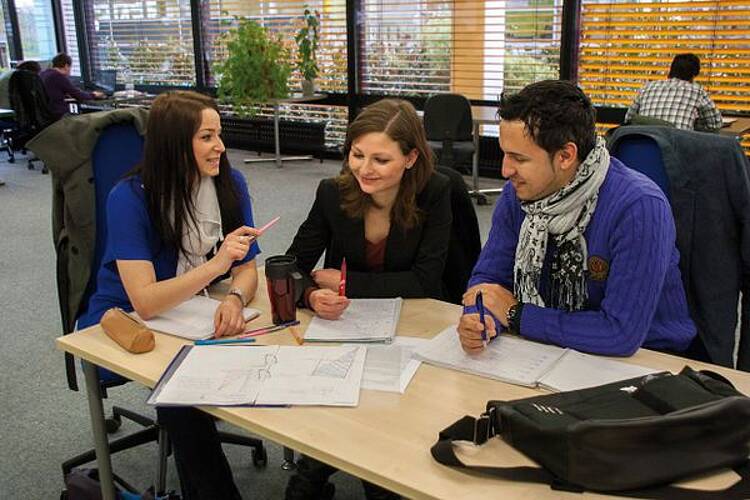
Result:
{"points": [[365, 320], [523, 362], [193, 319]]}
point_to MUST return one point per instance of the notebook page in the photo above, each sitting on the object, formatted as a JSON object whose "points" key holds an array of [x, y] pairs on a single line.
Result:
{"points": [[576, 370], [193, 319], [506, 358], [365, 320]]}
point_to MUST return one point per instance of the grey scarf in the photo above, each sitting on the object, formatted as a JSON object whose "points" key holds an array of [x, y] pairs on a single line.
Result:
{"points": [[565, 215]]}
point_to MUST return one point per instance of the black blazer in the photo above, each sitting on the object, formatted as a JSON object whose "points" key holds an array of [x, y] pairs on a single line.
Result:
{"points": [[414, 260]]}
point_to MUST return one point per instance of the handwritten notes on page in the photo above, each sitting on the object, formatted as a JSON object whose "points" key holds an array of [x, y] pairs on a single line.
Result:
{"points": [[365, 320], [262, 375], [193, 319], [523, 362]]}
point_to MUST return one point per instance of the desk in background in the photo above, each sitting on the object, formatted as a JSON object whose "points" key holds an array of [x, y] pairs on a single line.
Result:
{"points": [[738, 127], [277, 158], [363, 441]]}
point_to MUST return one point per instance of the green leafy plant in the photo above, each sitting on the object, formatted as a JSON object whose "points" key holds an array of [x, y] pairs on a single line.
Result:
{"points": [[307, 39], [256, 68]]}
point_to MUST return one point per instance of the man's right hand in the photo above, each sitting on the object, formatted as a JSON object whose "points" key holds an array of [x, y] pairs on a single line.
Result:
{"points": [[98, 94], [470, 332], [328, 304]]}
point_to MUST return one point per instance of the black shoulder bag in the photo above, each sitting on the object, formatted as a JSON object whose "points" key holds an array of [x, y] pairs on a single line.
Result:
{"points": [[633, 437]]}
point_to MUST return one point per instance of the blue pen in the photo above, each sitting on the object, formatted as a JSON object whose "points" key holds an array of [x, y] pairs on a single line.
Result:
{"points": [[224, 341], [480, 306]]}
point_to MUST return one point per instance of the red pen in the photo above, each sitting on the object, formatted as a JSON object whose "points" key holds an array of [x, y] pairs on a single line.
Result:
{"points": [[342, 283]]}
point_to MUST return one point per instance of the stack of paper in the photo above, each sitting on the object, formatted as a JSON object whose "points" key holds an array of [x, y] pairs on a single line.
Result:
{"points": [[391, 367], [365, 320], [193, 319], [262, 375], [523, 362]]}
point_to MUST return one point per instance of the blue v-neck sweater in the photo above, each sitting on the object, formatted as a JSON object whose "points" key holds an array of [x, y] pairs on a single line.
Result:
{"points": [[635, 293]]}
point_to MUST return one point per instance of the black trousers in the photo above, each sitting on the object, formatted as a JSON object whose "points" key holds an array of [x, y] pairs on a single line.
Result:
{"points": [[201, 464], [311, 476]]}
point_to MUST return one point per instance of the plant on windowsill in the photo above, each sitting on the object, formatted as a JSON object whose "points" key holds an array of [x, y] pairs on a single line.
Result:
{"points": [[307, 39], [255, 70]]}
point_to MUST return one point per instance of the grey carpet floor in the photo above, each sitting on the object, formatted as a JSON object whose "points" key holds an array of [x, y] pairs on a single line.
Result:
{"points": [[42, 423]]}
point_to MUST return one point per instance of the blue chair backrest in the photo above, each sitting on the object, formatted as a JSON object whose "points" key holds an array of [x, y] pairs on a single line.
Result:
{"points": [[118, 149], [643, 154]]}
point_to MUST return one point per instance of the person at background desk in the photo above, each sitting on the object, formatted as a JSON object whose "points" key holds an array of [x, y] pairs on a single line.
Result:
{"points": [[388, 214], [582, 251], [180, 221], [58, 86], [678, 99]]}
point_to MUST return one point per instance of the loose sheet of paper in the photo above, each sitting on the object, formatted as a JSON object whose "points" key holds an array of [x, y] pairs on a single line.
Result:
{"points": [[506, 358], [193, 319], [365, 320], [265, 375], [576, 370], [391, 367]]}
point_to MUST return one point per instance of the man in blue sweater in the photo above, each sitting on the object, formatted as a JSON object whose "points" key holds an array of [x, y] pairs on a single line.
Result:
{"points": [[582, 249]]}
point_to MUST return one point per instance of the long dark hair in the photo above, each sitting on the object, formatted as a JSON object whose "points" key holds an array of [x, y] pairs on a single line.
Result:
{"points": [[398, 120], [169, 170]]}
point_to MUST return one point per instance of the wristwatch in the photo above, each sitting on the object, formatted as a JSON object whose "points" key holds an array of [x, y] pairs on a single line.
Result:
{"points": [[240, 295], [513, 318]]}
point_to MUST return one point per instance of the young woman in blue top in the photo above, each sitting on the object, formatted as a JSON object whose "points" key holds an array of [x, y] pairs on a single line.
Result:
{"points": [[182, 220]]}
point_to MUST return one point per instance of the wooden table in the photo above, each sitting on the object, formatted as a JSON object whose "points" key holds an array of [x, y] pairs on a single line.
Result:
{"points": [[387, 438], [738, 127]]}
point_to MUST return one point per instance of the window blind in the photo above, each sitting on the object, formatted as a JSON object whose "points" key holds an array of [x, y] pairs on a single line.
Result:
{"points": [[69, 31], [479, 48], [624, 44], [148, 41], [285, 17]]}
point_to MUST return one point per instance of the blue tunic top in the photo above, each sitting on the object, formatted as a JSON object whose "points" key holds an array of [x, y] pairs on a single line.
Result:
{"points": [[635, 293], [131, 236]]}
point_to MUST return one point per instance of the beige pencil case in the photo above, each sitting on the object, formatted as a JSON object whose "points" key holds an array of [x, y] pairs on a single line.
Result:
{"points": [[127, 331]]}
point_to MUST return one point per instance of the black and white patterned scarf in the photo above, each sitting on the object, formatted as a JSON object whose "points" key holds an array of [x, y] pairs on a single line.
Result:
{"points": [[564, 215]]}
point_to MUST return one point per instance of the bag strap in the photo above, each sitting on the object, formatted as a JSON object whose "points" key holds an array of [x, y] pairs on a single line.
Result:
{"points": [[479, 430]]}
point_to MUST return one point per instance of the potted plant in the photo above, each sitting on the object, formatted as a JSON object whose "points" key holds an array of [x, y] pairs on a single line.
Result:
{"points": [[307, 39], [255, 70]]}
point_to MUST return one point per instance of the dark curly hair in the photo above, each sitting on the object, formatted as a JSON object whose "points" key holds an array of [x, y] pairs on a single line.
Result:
{"points": [[398, 120], [555, 112]]}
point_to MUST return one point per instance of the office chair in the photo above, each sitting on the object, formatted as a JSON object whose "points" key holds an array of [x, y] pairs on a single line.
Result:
{"points": [[707, 178], [28, 99], [464, 244], [118, 148], [643, 154], [448, 124]]}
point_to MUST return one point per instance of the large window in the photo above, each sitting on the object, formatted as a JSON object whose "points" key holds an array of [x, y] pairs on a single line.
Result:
{"points": [[285, 18], [4, 53], [625, 44], [476, 48], [146, 41], [37, 28]]}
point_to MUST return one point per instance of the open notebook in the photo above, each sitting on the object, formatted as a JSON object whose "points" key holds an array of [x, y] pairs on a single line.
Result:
{"points": [[193, 319], [365, 320], [524, 362]]}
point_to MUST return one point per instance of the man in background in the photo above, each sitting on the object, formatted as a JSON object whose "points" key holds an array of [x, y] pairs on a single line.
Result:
{"points": [[58, 86], [677, 100]]}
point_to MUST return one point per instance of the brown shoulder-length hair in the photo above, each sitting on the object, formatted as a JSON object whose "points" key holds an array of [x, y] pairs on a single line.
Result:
{"points": [[398, 120], [169, 170]]}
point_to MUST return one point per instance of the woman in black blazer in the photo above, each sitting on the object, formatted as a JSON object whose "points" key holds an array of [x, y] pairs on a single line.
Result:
{"points": [[388, 214]]}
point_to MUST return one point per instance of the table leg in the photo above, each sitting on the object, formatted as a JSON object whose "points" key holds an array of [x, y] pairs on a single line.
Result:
{"points": [[101, 444], [276, 134], [475, 159]]}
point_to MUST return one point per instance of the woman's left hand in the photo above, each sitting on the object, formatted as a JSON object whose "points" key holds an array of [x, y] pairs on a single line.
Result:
{"points": [[228, 319], [327, 278]]}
